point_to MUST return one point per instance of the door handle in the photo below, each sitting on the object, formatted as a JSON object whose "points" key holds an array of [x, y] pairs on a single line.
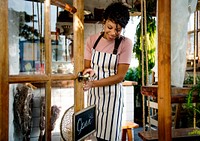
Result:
{"points": [[82, 77]]}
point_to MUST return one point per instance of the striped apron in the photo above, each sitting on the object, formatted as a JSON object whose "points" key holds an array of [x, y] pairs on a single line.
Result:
{"points": [[108, 99]]}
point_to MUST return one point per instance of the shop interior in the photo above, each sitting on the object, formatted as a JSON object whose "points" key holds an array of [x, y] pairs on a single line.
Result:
{"points": [[42, 57]]}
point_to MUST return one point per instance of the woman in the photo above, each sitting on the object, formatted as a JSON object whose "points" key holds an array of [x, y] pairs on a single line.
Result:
{"points": [[108, 55]]}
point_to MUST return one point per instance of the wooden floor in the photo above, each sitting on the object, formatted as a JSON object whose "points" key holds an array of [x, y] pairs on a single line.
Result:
{"points": [[181, 134]]}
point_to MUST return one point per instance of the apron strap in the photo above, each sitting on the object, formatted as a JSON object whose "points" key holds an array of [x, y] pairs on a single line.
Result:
{"points": [[117, 43], [97, 41]]}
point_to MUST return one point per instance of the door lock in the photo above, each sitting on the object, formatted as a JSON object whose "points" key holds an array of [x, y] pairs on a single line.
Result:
{"points": [[82, 77]]}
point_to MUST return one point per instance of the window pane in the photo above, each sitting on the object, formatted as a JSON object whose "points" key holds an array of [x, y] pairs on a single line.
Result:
{"points": [[190, 49], [27, 109], [191, 23], [24, 111], [62, 54], [26, 36]]}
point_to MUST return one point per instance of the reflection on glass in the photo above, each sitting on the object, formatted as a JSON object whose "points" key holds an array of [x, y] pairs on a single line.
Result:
{"points": [[24, 111], [27, 109], [61, 55], [31, 57], [26, 39]]}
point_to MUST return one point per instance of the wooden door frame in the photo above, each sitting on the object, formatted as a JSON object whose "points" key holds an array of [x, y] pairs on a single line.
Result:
{"points": [[78, 28], [4, 87], [47, 78]]}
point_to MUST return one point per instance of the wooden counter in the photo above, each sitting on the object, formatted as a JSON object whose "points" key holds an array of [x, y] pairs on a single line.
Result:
{"points": [[129, 83], [178, 94], [177, 135]]}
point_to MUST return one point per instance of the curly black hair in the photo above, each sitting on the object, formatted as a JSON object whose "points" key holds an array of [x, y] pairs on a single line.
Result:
{"points": [[118, 13]]}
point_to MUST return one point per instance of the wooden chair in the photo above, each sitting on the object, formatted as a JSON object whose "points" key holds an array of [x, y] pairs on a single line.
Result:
{"points": [[127, 129]]}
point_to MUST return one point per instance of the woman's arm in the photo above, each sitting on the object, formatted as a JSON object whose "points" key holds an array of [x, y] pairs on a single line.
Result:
{"points": [[119, 77], [114, 79], [87, 64]]}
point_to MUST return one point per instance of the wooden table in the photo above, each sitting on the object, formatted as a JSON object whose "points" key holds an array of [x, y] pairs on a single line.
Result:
{"points": [[178, 95], [181, 134]]}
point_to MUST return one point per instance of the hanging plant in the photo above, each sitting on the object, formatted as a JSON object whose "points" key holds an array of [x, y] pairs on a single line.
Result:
{"points": [[193, 92], [151, 34], [135, 74], [195, 89]]}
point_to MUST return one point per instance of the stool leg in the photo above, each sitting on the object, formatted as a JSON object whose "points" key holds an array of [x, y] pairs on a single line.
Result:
{"points": [[129, 132], [124, 131]]}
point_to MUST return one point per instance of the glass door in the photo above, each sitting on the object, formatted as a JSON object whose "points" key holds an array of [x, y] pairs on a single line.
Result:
{"points": [[38, 79]]}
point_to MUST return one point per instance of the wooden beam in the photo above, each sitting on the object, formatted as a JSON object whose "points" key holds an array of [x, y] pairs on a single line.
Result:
{"points": [[64, 6], [48, 67], [164, 70], [78, 29], [4, 89]]}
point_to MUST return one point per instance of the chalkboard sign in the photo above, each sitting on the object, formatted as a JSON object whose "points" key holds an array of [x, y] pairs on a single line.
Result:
{"points": [[84, 123]]}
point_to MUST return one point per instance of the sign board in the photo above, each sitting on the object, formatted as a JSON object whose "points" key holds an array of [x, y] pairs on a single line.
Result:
{"points": [[84, 123]]}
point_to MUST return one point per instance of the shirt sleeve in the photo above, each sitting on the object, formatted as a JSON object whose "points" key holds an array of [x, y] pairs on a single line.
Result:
{"points": [[125, 54], [88, 49]]}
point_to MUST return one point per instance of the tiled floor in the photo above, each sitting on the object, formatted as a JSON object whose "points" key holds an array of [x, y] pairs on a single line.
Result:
{"points": [[136, 137], [135, 131], [57, 137]]}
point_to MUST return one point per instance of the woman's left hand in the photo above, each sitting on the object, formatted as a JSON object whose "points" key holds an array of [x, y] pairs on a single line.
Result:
{"points": [[87, 85]]}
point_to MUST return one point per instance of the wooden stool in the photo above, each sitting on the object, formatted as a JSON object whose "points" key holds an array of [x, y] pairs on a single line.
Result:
{"points": [[127, 129]]}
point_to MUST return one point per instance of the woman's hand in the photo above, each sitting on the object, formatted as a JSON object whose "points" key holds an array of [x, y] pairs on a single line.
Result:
{"points": [[90, 71], [87, 85]]}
